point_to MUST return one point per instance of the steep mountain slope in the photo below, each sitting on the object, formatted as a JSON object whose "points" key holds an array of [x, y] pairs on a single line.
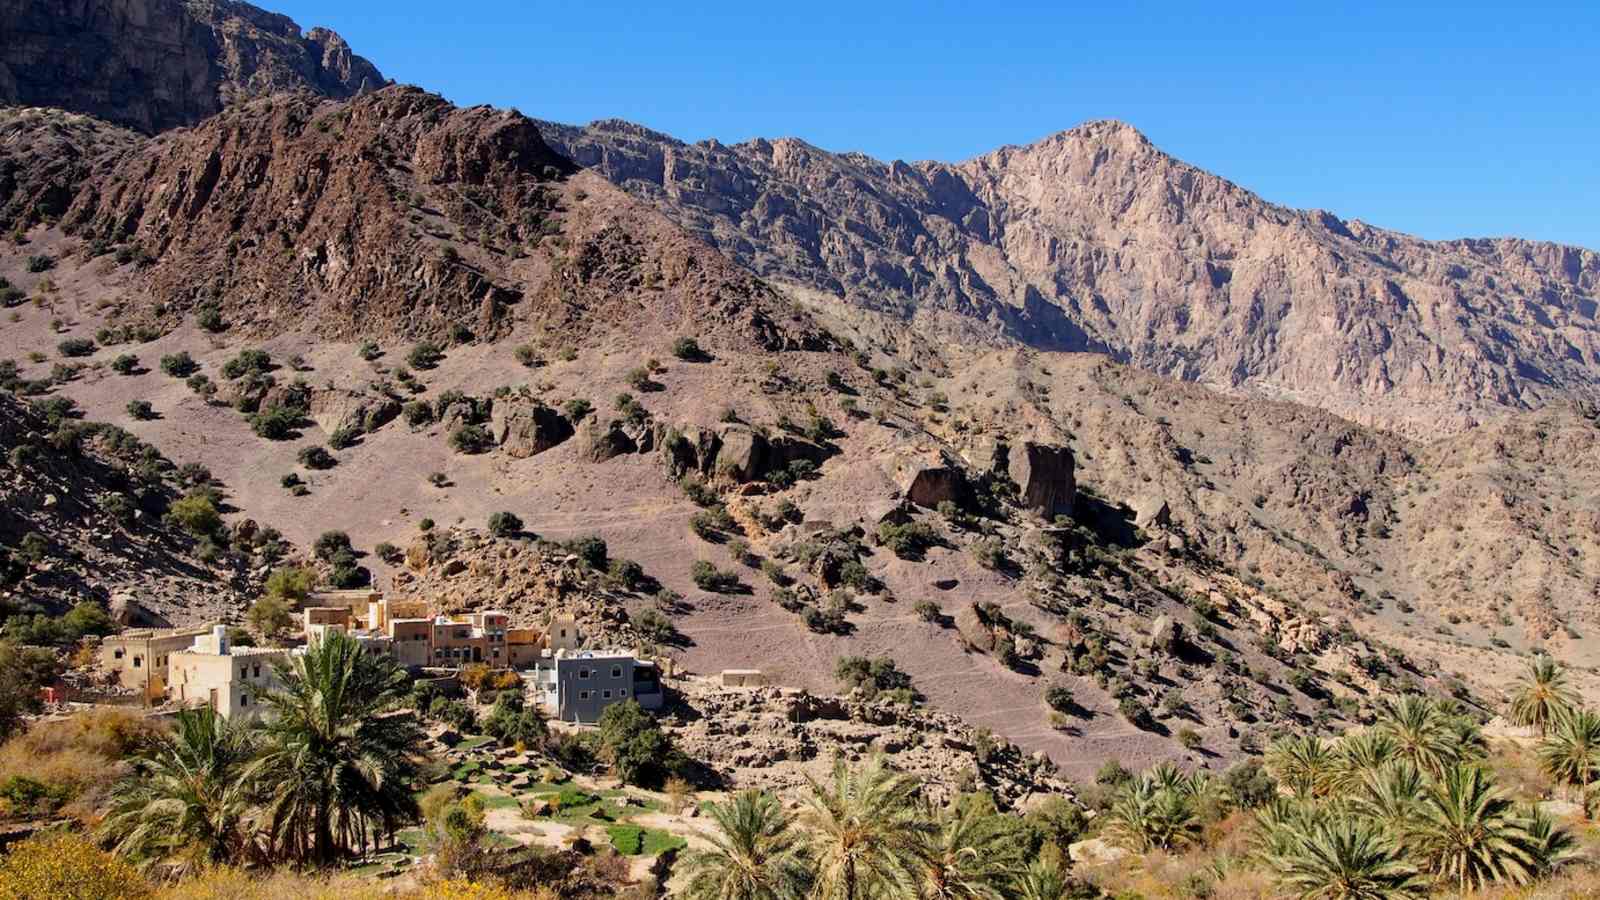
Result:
{"points": [[396, 213], [1093, 239], [82, 509], [158, 64]]}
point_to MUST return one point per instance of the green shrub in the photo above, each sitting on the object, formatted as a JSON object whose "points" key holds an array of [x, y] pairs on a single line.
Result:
{"points": [[247, 362], [505, 524], [471, 439], [909, 541], [316, 457], [126, 364], [708, 577], [141, 410], [179, 365], [76, 347], [424, 355], [526, 355], [40, 263], [343, 437], [1060, 698], [275, 423], [688, 349], [210, 319], [417, 413], [369, 350], [195, 514], [576, 408]]}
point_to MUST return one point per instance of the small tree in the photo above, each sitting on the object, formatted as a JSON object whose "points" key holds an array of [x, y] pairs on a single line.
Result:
{"points": [[76, 347], [141, 410], [270, 615], [126, 364], [315, 457], [425, 355], [687, 349], [639, 752], [504, 524], [195, 514]]}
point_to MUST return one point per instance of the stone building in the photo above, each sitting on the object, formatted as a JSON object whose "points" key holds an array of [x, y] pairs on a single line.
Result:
{"points": [[139, 658], [229, 679]]}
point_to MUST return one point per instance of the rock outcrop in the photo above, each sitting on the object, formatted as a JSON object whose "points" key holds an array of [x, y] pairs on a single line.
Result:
{"points": [[152, 65], [527, 428]]}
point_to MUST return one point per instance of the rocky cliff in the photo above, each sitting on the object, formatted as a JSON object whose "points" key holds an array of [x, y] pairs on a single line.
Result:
{"points": [[1093, 239], [158, 64]]}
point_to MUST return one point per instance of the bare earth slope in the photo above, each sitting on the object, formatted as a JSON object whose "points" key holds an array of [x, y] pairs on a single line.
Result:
{"points": [[1093, 239], [158, 64]]}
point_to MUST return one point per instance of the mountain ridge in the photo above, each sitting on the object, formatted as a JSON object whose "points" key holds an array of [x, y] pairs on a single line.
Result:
{"points": [[1094, 239]]}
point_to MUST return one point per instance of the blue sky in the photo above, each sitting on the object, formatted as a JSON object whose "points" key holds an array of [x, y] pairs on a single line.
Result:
{"points": [[1441, 120]]}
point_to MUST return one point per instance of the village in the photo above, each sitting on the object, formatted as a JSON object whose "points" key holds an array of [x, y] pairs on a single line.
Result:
{"points": [[185, 668]]}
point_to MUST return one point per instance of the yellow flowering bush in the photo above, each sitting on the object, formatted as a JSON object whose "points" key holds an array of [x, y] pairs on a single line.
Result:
{"points": [[61, 866]]}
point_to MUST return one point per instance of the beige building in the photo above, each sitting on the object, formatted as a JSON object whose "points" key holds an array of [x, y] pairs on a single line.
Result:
{"points": [[139, 658], [228, 679]]}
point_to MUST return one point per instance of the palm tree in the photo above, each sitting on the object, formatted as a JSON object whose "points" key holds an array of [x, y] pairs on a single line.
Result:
{"points": [[755, 854], [1570, 753], [969, 853], [338, 764], [1469, 835], [1390, 795], [864, 831], [185, 802], [1146, 816], [1344, 859], [1304, 763], [1359, 754], [1542, 694], [1421, 732], [1554, 845], [1042, 880]]}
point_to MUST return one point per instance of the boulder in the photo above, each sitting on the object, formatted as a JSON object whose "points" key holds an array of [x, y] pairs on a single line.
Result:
{"points": [[527, 428], [130, 613], [334, 410], [1096, 852], [599, 442], [743, 454], [1166, 634], [928, 486], [974, 630], [1043, 474], [1152, 512]]}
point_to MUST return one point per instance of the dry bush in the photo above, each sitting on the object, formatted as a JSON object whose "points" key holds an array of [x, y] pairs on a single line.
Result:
{"points": [[81, 755], [236, 884]]}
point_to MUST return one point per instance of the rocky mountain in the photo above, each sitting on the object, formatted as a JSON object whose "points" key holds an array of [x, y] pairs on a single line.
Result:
{"points": [[152, 65], [1093, 239], [394, 213]]}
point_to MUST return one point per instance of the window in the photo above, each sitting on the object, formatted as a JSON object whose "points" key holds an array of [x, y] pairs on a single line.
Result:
{"points": [[616, 671], [583, 695], [257, 670], [605, 695], [583, 673], [622, 692], [137, 660], [117, 654], [244, 699]]}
